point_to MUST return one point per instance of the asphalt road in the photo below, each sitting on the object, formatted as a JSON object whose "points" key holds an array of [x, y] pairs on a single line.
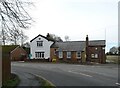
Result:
{"points": [[70, 74]]}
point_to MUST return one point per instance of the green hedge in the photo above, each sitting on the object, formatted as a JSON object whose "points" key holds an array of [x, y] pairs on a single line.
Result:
{"points": [[13, 82]]}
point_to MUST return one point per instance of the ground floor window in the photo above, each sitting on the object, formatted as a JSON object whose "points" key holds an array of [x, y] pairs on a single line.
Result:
{"points": [[78, 54], [68, 54], [94, 55], [39, 54], [60, 54]]}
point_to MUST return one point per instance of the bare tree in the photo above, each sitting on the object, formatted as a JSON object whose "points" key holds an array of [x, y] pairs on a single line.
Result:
{"points": [[67, 38], [13, 16], [23, 38]]}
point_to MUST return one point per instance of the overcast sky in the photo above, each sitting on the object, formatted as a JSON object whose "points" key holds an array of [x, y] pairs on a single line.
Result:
{"points": [[76, 18]]}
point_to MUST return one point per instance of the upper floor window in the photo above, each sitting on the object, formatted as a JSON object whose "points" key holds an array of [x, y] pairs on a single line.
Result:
{"points": [[39, 43], [96, 48], [78, 54], [68, 54]]}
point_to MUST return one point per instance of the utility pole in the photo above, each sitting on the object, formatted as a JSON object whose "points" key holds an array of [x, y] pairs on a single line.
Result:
{"points": [[3, 34], [21, 38]]}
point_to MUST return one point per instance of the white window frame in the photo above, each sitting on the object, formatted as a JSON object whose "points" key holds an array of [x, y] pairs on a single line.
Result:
{"points": [[60, 54], [39, 55], [96, 48], [96, 55], [78, 53], [69, 54], [92, 56], [39, 43]]}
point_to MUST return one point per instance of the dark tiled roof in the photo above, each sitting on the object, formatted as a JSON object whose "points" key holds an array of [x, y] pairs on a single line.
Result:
{"points": [[97, 43], [69, 46], [43, 37], [76, 45]]}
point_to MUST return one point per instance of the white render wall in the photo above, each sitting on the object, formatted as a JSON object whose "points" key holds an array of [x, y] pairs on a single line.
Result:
{"points": [[45, 48]]}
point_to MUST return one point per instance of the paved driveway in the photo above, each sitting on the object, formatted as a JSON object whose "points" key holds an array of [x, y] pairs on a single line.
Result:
{"points": [[71, 74]]}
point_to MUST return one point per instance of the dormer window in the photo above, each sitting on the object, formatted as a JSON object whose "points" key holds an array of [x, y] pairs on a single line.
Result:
{"points": [[39, 43]]}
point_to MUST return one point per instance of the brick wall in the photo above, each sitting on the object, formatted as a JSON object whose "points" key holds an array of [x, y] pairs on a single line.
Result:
{"points": [[18, 54], [52, 54], [99, 51]]}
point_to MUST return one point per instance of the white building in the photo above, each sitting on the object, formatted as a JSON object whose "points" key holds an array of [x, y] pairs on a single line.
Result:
{"points": [[40, 47]]}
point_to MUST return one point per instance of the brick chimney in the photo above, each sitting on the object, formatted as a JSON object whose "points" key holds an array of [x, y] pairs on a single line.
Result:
{"points": [[87, 41], [87, 51]]}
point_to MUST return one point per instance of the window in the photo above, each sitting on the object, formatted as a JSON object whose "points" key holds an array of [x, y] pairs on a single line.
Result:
{"points": [[39, 43], [60, 54], [68, 54], [103, 48], [96, 48], [96, 55], [39, 54], [78, 54], [92, 56]]}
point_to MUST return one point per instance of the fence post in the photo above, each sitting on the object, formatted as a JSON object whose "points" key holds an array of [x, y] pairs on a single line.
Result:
{"points": [[0, 64]]}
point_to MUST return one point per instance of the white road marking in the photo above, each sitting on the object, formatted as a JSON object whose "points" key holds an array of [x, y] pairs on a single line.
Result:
{"points": [[80, 73], [117, 84]]}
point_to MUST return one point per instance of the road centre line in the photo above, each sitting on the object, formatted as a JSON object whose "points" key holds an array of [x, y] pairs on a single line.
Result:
{"points": [[80, 73]]}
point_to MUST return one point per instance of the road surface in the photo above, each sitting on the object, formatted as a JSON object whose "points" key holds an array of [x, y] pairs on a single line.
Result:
{"points": [[70, 74]]}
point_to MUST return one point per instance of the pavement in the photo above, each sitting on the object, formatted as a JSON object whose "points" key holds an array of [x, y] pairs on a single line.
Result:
{"points": [[26, 78], [67, 74]]}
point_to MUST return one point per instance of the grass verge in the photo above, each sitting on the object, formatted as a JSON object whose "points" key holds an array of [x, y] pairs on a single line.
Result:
{"points": [[113, 59], [13, 82], [44, 83]]}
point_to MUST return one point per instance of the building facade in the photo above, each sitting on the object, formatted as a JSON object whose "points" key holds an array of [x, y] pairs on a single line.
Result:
{"points": [[69, 51], [18, 54], [40, 47]]}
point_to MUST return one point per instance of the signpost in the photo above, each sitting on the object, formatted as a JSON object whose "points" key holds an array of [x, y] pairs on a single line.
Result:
{"points": [[0, 64], [30, 56]]}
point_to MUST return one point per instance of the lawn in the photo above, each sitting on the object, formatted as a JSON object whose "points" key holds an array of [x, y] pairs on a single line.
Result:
{"points": [[13, 82], [113, 59]]}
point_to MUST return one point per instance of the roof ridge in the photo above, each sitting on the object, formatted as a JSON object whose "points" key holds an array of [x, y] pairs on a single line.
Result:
{"points": [[41, 36]]}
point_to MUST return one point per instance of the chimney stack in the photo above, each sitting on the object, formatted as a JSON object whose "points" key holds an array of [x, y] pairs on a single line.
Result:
{"points": [[87, 41], [87, 50]]}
